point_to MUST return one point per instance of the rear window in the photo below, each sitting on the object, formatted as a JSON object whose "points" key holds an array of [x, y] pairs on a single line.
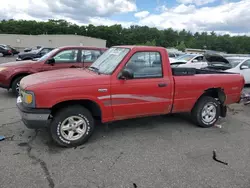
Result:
{"points": [[186, 57]]}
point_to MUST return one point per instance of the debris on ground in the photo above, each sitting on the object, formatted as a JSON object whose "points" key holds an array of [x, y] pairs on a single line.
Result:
{"points": [[2, 138], [217, 160], [218, 126], [234, 111], [245, 97], [134, 184]]}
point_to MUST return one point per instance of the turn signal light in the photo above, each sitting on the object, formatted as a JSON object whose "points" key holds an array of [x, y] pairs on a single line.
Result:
{"points": [[28, 99]]}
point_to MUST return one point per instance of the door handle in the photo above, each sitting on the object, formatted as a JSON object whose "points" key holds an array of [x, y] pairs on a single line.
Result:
{"points": [[162, 85]]}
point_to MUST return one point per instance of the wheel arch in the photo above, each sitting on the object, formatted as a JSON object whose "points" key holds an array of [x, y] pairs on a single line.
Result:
{"points": [[92, 106], [217, 93], [16, 76]]}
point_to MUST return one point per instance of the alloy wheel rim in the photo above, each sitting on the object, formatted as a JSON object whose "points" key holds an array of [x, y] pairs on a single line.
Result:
{"points": [[73, 128], [208, 113], [18, 87]]}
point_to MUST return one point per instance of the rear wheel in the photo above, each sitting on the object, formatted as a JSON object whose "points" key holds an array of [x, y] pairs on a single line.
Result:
{"points": [[206, 112], [72, 126], [15, 87]]}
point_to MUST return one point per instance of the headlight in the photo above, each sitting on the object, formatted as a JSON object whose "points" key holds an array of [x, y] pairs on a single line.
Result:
{"points": [[2, 68], [28, 98]]}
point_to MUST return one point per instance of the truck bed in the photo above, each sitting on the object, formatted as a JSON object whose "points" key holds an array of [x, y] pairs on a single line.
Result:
{"points": [[185, 71], [190, 84]]}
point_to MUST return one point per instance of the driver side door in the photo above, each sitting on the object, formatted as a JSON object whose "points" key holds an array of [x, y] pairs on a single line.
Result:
{"points": [[148, 93], [67, 58]]}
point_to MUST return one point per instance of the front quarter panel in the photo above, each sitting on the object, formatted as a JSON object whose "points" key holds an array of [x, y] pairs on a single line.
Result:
{"points": [[51, 97], [30, 69]]}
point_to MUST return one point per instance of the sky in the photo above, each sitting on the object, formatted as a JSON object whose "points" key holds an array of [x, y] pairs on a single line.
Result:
{"points": [[222, 16]]}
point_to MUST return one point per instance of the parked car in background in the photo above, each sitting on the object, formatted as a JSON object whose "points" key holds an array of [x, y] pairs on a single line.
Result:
{"points": [[189, 60], [5, 51], [239, 65], [64, 57], [30, 49], [125, 82], [173, 55], [33, 54], [14, 51]]}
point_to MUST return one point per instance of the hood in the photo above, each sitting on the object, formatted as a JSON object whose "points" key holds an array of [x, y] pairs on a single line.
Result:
{"points": [[177, 61], [215, 58], [17, 63], [27, 53], [67, 78]]}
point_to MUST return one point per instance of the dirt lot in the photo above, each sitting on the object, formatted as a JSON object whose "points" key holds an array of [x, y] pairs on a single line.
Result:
{"points": [[157, 152]]}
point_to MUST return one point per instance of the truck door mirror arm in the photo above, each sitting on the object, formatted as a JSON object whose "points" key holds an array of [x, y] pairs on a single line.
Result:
{"points": [[126, 74]]}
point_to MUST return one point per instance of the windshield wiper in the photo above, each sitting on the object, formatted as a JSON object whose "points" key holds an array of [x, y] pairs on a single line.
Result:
{"points": [[95, 69]]}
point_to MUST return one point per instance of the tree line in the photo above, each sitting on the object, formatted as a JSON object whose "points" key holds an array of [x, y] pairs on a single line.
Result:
{"points": [[134, 35]]}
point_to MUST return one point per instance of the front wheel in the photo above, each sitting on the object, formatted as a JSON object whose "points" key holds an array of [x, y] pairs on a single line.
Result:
{"points": [[206, 112], [72, 126], [15, 87]]}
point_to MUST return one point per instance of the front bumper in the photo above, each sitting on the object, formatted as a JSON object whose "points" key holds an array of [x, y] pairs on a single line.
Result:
{"points": [[33, 118]]}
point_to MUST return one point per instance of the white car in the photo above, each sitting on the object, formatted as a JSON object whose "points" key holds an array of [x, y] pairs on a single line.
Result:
{"points": [[173, 55], [189, 60], [240, 65]]}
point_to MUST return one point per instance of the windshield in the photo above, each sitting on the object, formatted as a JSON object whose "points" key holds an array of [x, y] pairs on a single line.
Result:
{"points": [[43, 58], [234, 62], [186, 57], [109, 60]]}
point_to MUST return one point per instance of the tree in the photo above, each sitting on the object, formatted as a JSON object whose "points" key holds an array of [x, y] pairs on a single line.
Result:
{"points": [[149, 43], [143, 35], [181, 46]]}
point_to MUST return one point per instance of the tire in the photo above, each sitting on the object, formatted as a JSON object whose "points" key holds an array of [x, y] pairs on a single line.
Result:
{"points": [[15, 85], [200, 117], [61, 118]]}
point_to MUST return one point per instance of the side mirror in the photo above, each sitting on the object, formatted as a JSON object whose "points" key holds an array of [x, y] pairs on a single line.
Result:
{"points": [[51, 61], [195, 61], [126, 74], [244, 67]]}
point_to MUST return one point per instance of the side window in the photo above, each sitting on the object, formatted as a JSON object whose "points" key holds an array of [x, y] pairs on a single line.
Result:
{"points": [[45, 51], [66, 56], [145, 65], [246, 63], [90, 55], [199, 59]]}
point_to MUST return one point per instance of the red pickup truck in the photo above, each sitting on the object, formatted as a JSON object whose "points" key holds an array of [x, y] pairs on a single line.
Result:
{"points": [[64, 57], [125, 82]]}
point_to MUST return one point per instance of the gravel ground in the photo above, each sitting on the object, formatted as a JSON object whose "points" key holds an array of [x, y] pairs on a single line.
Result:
{"points": [[7, 58], [157, 152]]}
